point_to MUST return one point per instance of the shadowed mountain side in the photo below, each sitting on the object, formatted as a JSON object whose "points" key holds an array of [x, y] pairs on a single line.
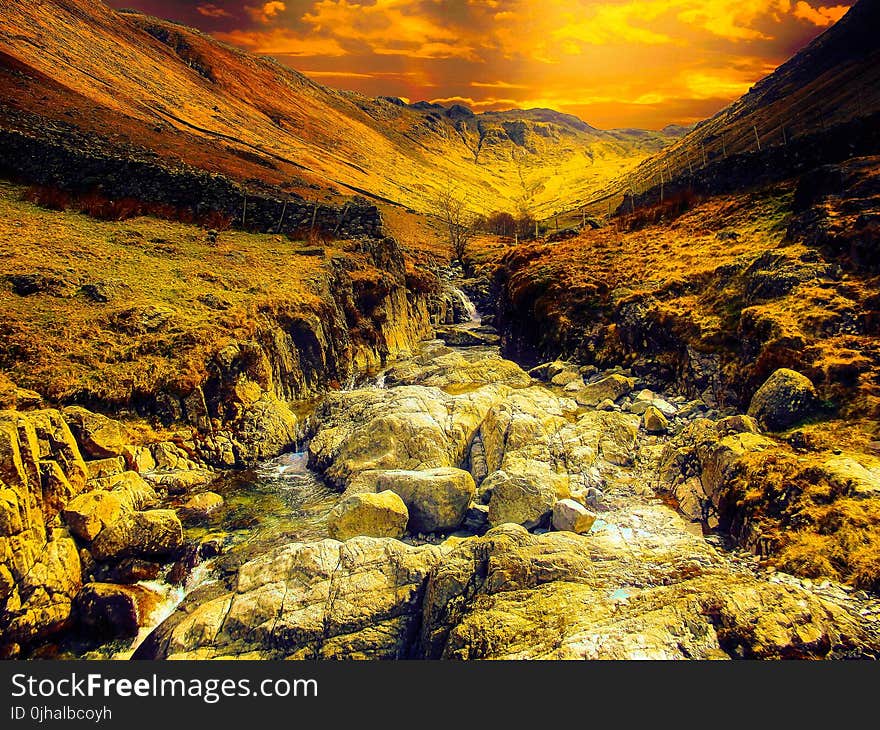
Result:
{"points": [[820, 106]]}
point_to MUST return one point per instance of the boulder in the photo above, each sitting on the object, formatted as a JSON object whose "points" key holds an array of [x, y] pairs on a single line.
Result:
{"points": [[572, 516], [518, 499], [653, 421], [201, 505], [98, 436], [405, 427], [611, 387], [151, 533], [139, 458], [88, 514], [786, 398], [736, 424], [381, 514], [565, 377], [436, 499], [109, 610]]}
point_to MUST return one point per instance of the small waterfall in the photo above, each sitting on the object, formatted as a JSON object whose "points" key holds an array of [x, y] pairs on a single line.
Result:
{"points": [[463, 309]]}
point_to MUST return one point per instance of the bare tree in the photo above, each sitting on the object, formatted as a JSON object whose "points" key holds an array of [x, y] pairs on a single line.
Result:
{"points": [[459, 222]]}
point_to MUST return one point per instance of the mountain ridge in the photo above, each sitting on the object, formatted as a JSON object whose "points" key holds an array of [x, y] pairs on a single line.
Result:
{"points": [[193, 100]]}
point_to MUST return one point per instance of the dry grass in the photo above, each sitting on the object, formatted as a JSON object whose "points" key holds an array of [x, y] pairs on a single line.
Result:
{"points": [[815, 528], [172, 298]]}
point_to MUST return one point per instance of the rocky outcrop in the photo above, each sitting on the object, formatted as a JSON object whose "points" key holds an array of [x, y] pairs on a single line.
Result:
{"points": [[508, 595], [700, 464], [60, 513], [241, 410], [525, 447], [40, 470]]}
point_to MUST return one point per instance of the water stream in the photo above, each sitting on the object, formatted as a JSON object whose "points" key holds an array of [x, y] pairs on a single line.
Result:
{"points": [[281, 500]]}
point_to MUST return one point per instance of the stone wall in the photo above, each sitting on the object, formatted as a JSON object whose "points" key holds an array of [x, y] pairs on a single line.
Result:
{"points": [[66, 160]]}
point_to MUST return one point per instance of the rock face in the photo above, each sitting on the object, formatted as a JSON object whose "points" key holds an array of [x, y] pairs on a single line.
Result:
{"points": [[437, 499], [700, 464], [786, 398], [381, 514], [41, 469], [507, 595], [59, 514]]}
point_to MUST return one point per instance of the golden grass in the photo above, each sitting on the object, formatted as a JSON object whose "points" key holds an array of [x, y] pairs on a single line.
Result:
{"points": [[173, 299]]}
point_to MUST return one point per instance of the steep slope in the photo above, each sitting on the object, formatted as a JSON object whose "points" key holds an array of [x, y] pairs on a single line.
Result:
{"points": [[823, 101], [135, 82]]}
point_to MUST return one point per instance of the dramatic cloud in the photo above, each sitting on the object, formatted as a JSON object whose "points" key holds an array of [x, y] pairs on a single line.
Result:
{"points": [[611, 62], [209, 10], [266, 12], [821, 16]]}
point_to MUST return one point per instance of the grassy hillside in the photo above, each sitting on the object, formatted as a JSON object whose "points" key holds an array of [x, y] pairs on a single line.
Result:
{"points": [[129, 79]]}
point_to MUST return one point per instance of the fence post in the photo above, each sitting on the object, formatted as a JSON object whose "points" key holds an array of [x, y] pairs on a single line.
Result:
{"points": [[281, 219]]}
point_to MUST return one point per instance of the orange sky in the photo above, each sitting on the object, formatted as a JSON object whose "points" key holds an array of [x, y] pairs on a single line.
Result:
{"points": [[614, 63]]}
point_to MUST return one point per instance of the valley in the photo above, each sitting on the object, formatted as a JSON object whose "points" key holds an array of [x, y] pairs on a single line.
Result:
{"points": [[254, 405]]}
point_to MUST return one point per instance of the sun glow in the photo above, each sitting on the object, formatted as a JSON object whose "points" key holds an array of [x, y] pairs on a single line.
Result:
{"points": [[611, 62]]}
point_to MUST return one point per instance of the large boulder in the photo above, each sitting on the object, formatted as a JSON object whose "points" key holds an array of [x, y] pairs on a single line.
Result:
{"points": [[519, 500], [150, 533], [98, 436], [437, 499], [610, 387], [786, 398], [88, 514], [110, 610], [411, 428], [381, 514]]}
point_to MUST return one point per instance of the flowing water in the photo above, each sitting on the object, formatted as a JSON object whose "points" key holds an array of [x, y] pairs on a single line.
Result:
{"points": [[281, 501]]}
